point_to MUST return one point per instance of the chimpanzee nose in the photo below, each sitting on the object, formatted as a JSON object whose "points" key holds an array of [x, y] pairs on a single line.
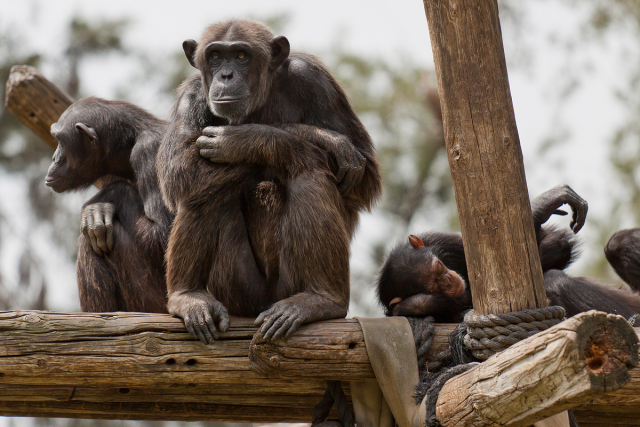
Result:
{"points": [[227, 74]]}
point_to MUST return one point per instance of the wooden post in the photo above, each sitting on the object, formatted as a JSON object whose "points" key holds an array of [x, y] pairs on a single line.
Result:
{"points": [[485, 156], [35, 101]]}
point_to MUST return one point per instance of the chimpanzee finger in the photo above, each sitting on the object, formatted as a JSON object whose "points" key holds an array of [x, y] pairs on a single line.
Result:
{"points": [[559, 212], [99, 229], [579, 215], [205, 142], [84, 227], [207, 327], [297, 322], [272, 333], [212, 154], [349, 181], [189, 325], [262, 316], [92, 238], [221, 318], [269, 321], [288, 327], [343, 168], [108, 223], [211, 131], [199, 334]]}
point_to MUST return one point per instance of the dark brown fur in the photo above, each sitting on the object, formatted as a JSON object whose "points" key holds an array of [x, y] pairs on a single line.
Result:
{"points": [[97, 138], [263, 229], [412, 283]]}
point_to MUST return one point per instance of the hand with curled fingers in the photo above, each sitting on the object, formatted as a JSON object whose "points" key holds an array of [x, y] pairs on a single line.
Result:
{"points": [[351, 164], [549, 202], [203, 315], [281, 320], [215, 144], [97, 226]]}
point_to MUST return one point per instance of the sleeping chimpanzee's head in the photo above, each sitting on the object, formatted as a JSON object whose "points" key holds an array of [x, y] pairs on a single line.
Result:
{"points": [[94, 138], [415, 282], [237, 60]]}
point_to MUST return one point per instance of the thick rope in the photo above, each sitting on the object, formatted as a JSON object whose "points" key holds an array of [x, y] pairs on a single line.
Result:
{"points": [[487, 335], [333, 394], [477, 338]]}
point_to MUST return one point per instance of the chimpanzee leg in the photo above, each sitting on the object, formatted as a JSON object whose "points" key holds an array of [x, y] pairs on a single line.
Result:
{"points": [[623, 253], [314, 257], [210, 266]]}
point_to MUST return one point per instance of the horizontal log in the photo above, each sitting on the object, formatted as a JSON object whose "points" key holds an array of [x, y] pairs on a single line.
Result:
{"points": [[568, 364], [146, 366]]}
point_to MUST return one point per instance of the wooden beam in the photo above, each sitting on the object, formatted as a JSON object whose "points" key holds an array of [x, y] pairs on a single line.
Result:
{"points": [[35, 101], [146, 366], [485, 156], [557, 369]]}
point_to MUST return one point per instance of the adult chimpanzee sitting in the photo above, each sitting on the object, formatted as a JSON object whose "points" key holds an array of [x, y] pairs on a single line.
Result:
{"points": [[263, 226], [126, 224]]}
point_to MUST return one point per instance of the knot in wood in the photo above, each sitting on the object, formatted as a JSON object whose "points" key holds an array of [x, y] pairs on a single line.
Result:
{"points": [[152, 346], [455, 153], [42, 363], [32, 318]]}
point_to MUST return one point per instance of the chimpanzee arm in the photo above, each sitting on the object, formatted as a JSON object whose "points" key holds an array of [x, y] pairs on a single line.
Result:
{"points": [[119, 200], [547, 204], [350, 163], [258, 144]]}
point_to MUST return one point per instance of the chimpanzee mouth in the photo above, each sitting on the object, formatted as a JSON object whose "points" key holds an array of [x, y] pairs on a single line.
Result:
{"points": [[227, 100], [50, 182]]}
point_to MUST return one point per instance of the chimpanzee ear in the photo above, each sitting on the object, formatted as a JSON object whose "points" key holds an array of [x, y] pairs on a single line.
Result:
{"points": [[89, 131], [189, 47], [415, 241], [279, 51]]}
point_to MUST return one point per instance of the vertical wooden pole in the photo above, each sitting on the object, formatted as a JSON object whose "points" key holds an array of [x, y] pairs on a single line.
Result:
{"points": [[485, 156]]}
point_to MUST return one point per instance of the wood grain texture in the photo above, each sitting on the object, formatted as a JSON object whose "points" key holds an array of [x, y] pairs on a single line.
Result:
{"points": [[567, 365], [35, 101], [485, 156], [146, 366]]}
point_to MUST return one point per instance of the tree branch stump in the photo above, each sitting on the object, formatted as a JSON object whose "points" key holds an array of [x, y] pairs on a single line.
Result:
{"points": [[559, 368], [35, 101]]}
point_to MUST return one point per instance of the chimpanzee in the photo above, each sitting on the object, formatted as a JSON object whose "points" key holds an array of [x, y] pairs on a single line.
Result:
{"points": [[428, 276], [263, 220], [623, 253], [126, 224], [578, 294]]}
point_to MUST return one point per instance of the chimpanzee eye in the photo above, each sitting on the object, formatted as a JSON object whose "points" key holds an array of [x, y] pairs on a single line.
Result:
{"points": [[241, 55], [215, 56]]}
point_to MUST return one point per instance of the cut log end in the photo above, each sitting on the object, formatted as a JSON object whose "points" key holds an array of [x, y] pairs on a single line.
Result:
{"points": [[609, 347]]}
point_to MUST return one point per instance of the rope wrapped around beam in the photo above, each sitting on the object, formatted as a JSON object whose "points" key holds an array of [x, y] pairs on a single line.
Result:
{"points": [[488, 334]]}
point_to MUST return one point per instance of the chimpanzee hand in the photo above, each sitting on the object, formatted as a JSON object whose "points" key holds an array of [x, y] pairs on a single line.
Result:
{"points": [[351, 164], [213, 144], [282, 319], [201, 313], [97, 226], [286, 316], [547, 204]]}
